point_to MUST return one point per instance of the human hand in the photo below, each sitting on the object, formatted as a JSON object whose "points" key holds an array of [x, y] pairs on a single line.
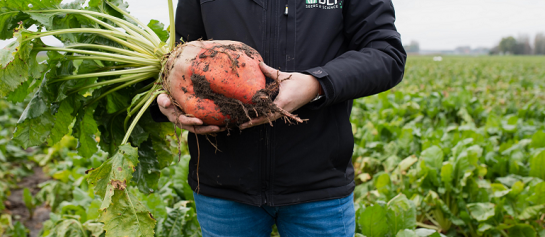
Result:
{"points": [[176, 116], [296, 90]]}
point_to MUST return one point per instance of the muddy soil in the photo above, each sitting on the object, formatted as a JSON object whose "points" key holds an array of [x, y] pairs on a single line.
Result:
{"points": [[16, 206]]}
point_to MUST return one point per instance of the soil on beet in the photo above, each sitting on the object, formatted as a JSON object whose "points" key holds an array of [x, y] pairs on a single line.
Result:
{"points": [[212, 52], [16, 206], [237, 110]]}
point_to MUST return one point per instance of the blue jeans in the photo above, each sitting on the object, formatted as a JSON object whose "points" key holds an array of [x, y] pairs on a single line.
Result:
{"points": [[220, 217]]}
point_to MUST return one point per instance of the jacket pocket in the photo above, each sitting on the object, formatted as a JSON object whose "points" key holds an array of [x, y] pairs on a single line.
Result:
{"points": [[205, 1], [260, 3]]}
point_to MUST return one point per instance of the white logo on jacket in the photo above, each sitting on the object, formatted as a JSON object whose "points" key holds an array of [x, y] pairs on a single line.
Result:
{"points": [[324, 4]]}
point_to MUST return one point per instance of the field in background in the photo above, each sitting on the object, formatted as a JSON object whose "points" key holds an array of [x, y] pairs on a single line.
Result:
{"points": [[457, 148], [463, 139]]}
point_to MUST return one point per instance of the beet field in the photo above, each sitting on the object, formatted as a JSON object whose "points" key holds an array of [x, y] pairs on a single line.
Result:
{"points": [[457, 149]]}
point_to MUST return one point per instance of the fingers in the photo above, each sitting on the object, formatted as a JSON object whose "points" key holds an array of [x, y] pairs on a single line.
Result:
{"points": [[268, 71], [194, 125], [187, 121], [203, 129], [175, 116], [163, 100]]}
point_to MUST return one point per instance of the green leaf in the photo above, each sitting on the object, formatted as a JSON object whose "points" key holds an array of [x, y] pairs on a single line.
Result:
{"points": [[509, 123], [481, 211], [373, 221], [93, 209], [19, 230], [81, 198], [516, 189], [147, 171], [382, 183], [114, 174], [95, 3], [69, 208], [138, 135], [406, 233], [111, 130], [14, 66], [498, 190], [484, 227], [537, 163], [9, 21], [22, 92], [45, 19], [63, 120], [160, 135], [446, 175], [68, 227], [406, 138], [179, 179], [522, 230], [538, 195], [433, 157], [401, 214], [85, 129], [493, 123], [407, 163], [136, 99], [426, 232], [86, 66], [96, 229], [532, 212], [180, 221], [124, 215], [28, 200], [538, 139], [11, 14], [127, 216], [116, 101], [154, 202], [59, 66], [36, 107], [34, 132], [159, 29]]}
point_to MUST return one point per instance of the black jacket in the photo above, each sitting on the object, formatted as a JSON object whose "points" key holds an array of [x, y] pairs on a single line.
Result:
{"points": [[354, 50]]}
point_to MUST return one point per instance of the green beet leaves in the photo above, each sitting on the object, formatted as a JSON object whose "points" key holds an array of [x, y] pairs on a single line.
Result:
{"points": [[387, 220], [122, 213], [76, 90], [18, 63]]}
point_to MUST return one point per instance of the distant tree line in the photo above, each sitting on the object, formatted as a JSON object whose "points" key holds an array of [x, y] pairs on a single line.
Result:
{"points": [[414, 47], [521, 45]]}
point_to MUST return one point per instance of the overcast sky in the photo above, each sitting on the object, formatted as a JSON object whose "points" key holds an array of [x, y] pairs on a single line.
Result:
{"points": [[435, 24]]}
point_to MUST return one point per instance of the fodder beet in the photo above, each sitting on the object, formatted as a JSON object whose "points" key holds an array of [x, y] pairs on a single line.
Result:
{"points": [[220, 82]]}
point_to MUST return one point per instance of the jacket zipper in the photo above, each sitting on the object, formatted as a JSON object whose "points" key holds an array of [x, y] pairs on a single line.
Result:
{"points": [[265, 160], [272, 41]]}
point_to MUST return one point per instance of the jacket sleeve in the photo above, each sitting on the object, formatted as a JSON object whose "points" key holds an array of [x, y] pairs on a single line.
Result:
{"points": [[189, 27], [375, 61]]}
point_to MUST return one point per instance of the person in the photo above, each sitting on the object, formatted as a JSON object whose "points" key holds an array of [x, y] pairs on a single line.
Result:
{"points": [[297, 176]]}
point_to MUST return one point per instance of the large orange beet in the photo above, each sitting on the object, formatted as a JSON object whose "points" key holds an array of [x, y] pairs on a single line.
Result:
{"points": [[214, 80]]}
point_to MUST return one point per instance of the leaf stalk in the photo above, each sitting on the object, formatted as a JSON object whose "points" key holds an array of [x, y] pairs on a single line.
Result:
{"points": [[146, 69], [138, 116]]}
